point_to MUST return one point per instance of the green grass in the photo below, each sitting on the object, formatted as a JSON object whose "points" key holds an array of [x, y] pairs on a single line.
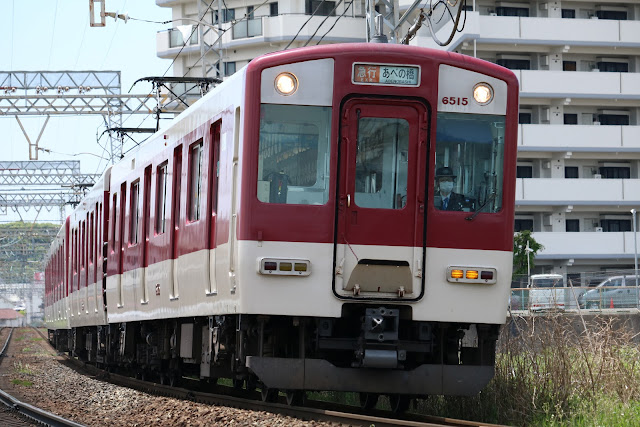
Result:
{"points": [[22, 382], [23, 369]]}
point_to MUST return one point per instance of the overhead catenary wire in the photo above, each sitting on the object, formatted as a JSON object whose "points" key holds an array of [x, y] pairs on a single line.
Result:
{"points": [[233, 24], [323, 21], [53, 33], [304, 24], [335, 22]]}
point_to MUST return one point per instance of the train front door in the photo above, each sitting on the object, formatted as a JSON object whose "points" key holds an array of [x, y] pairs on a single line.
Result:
{"points": [[379, 243]]}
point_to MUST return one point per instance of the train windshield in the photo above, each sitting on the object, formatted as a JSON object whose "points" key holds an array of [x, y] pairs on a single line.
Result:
{"points": [[293, 159], [469, 162]]}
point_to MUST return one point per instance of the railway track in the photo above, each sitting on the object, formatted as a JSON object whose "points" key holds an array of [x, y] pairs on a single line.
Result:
{"points": [[17, 413], [250, 400]]}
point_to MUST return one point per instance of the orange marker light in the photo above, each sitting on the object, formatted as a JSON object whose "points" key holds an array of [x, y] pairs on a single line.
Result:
{"points": [[456, 274], [472, 274]]}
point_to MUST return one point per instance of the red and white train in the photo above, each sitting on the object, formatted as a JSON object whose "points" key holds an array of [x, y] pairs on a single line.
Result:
{"points": [[329, 218]]}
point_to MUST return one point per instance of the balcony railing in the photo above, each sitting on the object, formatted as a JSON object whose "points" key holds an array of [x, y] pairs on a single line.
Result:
{"points": [[176, 39], [248, 28]]}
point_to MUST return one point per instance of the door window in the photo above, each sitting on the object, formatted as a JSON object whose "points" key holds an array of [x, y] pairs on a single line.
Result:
{"points": [[381, 163]]}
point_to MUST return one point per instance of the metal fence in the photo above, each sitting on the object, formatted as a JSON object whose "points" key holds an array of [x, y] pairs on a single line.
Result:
{"points": [[611, 289]]}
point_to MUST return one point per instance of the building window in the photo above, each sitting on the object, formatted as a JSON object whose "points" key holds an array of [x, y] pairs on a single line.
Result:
{"points": [[161, 198], [614, 225], [572, 225], [613, 119], [570, 119], [612, 67], [524, 118], [229, 68], [522, 224], [568, 13], [569, 66], [612, 14], [195, 173], [571, 172], [320, 8], [273, 9], [515, 64], [512, 11], [134, 211], [250, 12], [228, 15], [524, 171], [615, 172]]}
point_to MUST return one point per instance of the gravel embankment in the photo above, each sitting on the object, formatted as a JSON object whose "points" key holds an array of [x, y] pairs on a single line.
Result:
{"points": [[33, 373]]}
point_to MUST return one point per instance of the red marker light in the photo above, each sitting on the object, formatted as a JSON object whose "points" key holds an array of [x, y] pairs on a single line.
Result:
{"points": [[486, 275], [270, 265]]}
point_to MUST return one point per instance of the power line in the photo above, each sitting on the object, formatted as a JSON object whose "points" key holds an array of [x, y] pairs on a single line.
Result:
{"points": [[305, 23], [53, 33], [323, 21], [335, 22]]}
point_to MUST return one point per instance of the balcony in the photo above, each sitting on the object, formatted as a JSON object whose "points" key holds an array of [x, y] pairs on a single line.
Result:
{"points": [[579, 138], [576, 84], [585, 245], [272, 29], [560, 191], [534, 30]]}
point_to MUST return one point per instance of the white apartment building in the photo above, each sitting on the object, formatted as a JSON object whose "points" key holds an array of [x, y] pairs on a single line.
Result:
{"points": [[578, 63]]}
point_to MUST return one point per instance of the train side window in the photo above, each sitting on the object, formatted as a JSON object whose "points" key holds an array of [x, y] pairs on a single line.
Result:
{"points": [[293, 156], [91, 238], [469, 162], [195, 175], [134, 217], [114, 211], [161, 198]]}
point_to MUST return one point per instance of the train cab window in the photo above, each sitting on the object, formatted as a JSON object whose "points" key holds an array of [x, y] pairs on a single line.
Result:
{"points": [[134, 234], [161, 198], [195, 175], [293, 156], [469, 162], [382, 163]]}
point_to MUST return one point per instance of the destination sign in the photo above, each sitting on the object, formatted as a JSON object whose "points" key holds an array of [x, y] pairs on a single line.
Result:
{"points": [[390, 75]]}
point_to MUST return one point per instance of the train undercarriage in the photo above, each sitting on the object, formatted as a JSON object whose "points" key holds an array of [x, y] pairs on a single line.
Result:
{"points": [[370, 349]]}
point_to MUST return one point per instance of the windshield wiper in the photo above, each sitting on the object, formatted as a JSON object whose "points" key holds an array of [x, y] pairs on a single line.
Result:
{"points": [[490, 199]]}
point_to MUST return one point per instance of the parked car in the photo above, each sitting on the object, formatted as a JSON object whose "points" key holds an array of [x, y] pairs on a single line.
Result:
{"points": [[614, 292], [547, 292]]}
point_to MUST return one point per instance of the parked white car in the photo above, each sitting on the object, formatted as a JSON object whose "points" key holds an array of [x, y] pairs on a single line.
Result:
{"points": [[547, 292]]}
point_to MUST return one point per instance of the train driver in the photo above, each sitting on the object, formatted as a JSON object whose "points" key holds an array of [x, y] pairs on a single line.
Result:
{"points": [[449, 200]]}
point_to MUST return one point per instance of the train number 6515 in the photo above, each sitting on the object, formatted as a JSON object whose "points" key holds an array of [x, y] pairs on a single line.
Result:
{"points": [[454, 100]]}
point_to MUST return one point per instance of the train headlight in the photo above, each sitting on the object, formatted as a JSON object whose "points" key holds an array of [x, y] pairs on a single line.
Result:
{"points": [[483, 93], [286, 84]]}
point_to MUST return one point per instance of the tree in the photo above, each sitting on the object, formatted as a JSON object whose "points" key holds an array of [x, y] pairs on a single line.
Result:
{"points": [[520, 252]]}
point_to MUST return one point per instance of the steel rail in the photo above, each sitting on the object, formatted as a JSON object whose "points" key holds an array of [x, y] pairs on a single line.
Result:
{"points": [[33, 413]]}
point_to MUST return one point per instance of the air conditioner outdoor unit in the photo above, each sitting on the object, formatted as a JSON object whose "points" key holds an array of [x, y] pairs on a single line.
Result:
{"points": [[599, 229]]}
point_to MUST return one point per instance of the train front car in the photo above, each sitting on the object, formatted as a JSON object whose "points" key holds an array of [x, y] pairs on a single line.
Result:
{"points": [[375, 228]]}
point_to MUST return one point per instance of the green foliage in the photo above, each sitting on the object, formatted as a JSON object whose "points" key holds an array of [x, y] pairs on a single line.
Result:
{"points": [[22, 382], [24, 247], [520, 251]]}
